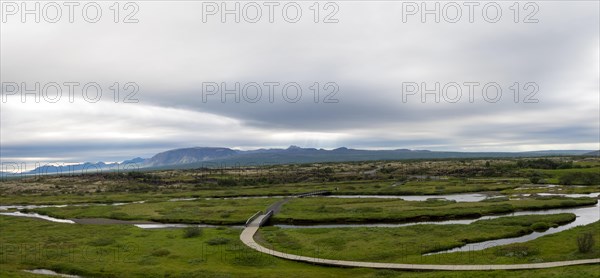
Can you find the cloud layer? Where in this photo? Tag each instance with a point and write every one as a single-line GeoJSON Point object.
{"type": "Point", "coordinates": [369, 54]}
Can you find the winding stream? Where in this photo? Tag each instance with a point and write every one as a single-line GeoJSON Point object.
{"type": "Point", "coordinates": [36, 215]}
{"type": "Point", "coordinates": [584, 216]}
{"type": "Point", "coordinates": [21, 207]}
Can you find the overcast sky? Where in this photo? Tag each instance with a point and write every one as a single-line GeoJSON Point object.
{"type": "Point", "coordinates": [368, 57]}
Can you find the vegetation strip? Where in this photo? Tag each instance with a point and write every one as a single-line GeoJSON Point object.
{"type": "Point", "coordinates": [373, 210]}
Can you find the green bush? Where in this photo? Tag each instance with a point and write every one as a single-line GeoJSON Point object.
{"type": "Point", "coordinates": [535, 179]}
{"type": "Point", "coordinates": [160, 252]}
{"type": "Point", "coordinates": [227, 182]}
{"type": "Point", "coordinates": [500, 208]}
{"type": "Point", "coordinates": [585, 242]}
{"type": "Point", "coordinates": [581, 178]}
{"type": "Point", "coordinates": [218, 241]}
{"type": "Point", "coordinates": [516, 250]}
{"type": "Point", "coordinates": [102, 241]}
{"type": "Point", "coordinates": [253, 259]}
{"type": "Point", "coordinates": [544, 163]}
{"type": "Point", "coordinates": [540, 226]}
{"type": "Point", "coordinates": [193, 231]}
{"type": "Point", "coordinates": [568, 203]}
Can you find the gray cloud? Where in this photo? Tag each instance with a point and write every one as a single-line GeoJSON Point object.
{"type": "Point", "coordinates": [369, 54]}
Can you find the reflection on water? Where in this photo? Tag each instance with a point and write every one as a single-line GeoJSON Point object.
{"type": "Point", "coordinates": [471, 197]}
{"type": "Point", "coordinates": [224, 198]}
{"type": "Point", "coordinates": [171, 226]}
{"type": "Point", "coordinates": [590, 195]}
{"type": "Point", "coordinates": [35, 215]}
{"type": "Point", "coordinates": [468, 197]}
{"type": "Point", "coordinates": [50, 272]}
{"type": "Point", "coordinates": [163, 226]}
{"type": "Point", "coordinates": [22, 207]}
{"type": "Point", "coordinates": [584, 216]}
{"type": "Point", "coordinates": [143, 226]}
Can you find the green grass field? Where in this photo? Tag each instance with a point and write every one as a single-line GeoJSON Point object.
{"type": "Point", "coordinates": [127, 251]}
{"type": "Point", "coordinates": [213, 211]}
{"type": "Point", "coordinates": [366, 187]}
{"type": "Point", "coordinates": [401, 244]}
{"type": "Point", "coordinates": [560, 189]}
{"type": "Point", "coordinates": [343, 210]}
{"type": "Point", "coordinates": [306, 210]}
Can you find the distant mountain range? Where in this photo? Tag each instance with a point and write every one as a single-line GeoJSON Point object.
{"type": "Point", "coordinates": [189, 155]}
{"type": "Point", "coordinates": [211, 157]}
{"type": "Point", "coordinates": [594, 153]}
{"type": "Point", "coordinates": [220, 157]}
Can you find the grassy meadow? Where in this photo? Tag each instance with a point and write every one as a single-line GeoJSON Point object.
{"type": "Point", "coordinates": [344, 210]}
{"type": "Point", "coordinates": [93, 250]}
{"type": "Point", "coordinates": [401, 244]}
{"type": "Point", "coordinates": [212, 211]}
{"type": "Point", "coordinates": [122, 250]}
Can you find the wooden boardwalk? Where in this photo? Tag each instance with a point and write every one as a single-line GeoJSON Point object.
{"type": "Point", "coordinates": [314, 193]}
{"type": "Point", "coordinates": [248, 233]}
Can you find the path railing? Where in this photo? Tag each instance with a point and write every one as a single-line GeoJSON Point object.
{"type": "Point", "coordinates": [258, 213]}
{"type": "Point", "coordinates": [314, 193]}
{"type": "Point", "coordinates": [265, 218]}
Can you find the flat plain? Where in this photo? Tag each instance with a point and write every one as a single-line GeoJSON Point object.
{"type": "Point", "coordinates": [380, 211]}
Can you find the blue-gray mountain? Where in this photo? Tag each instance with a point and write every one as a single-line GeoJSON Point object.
{"type": "Point", "coordinates": [594, 153]}
{"type": "Point", "coordinates": [189, 155]}
{"type": "Point", "coordinates": [210, 157]}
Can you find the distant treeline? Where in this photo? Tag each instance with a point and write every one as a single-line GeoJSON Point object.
{"type": "Point", "coordinates": [545, 163]}
{"type": "Point", "coordinates": [580, 178]}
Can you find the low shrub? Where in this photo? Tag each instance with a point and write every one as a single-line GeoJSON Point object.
{"type": "Point", "coordinates": [585, 242]}
{"type": "Point", "coordinates": [102, 241]}
{"type": "Point", "coordinates": [540, 226]}
{"type": "Point", "coordinates": [497, 199]}
{"type": "Point", "coordinates": [516, 250]}
{"type": "Point", "coordinates": [193, 231]}
{"type": "Point", "coordinates": [218, 241]}
{"type": "Point", "coordinates": [160, 252]}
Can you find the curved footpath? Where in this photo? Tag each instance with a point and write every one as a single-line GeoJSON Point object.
{"type": "Point", "coordinates": [250, 230]}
